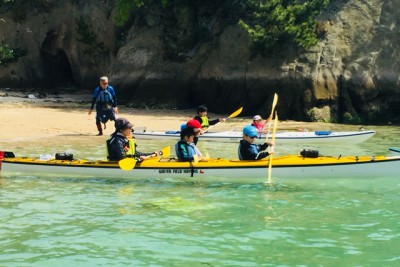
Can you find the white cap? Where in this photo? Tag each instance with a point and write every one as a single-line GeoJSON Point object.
{"type": "Point", "coordinates": [257, 117]}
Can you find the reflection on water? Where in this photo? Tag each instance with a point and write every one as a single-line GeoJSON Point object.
{"type": "Point", "coordinates": [110, 222]}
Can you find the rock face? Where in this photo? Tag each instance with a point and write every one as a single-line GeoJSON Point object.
{"type": "Point", "coordinates": [352, 75]}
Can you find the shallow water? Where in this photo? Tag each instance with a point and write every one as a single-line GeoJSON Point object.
{"type": "Point", "coordinates": [108, 222]}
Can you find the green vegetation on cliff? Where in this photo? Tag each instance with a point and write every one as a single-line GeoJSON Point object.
{"type": "Point", "coordinates": [274, 22]}
{"type": "Point", "coordinates": [8, 54]}
{"type": "Point", "coordinates": [270, 23]}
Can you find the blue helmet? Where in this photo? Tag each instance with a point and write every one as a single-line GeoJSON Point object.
{"type": "Point", "coordinates": [250, 131]}
{"type": "Point", "coordinates": [183, 126]}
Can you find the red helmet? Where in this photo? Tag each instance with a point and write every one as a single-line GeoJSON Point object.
{"type": "Point", "coordinates": [194, 124]}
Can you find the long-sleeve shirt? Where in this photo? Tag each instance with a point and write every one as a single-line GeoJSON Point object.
{"type": "Point", "coordinates": [116, 148]}
{"type": "Point", "coordinates": [97, 91]}
{"type": "Point", "coordinates": [249, 151]}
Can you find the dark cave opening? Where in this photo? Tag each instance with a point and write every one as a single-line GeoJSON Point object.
{"type": "Point", "coordinates": [55, 62]}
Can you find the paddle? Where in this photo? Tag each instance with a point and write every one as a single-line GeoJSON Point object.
{"type": "Point", "coordinates": [166, 152]}
{"type": "Point", "coordinates": [128, 164]}
{"type": "Point", "coordinates": [272, 147]}
{"type": "Point", "coordinates": [195, 160]}
{"type": "Point", "coordinates": [234, 114]}
{"type": "Point", "coordinates": [274, 102]}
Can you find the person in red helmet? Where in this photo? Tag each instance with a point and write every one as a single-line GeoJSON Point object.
{"type": "Point", "coordinates": [196, 126]}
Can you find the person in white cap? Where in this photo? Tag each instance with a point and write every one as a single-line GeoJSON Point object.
{"type": "Point", "coordinates": [259, 123]}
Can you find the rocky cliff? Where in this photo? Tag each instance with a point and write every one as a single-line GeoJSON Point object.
{"type": "Point", "coordinates": [350, 76]}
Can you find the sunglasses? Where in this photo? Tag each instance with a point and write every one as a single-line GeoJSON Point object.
{"type": "Point", "coordinates": [252, 137]}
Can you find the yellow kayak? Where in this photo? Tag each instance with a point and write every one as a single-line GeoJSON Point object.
{"type": "Point", "coordinates": [285, 167]}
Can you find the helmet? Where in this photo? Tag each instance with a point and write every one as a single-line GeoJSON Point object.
{"type": "Point", "coordinates": [257, 117]}
{"type": "Point", "coordinates": [250, 131]}
{"type": "Point", "coordinates": [183, 126]}
{"type": "Point", "coordinates": [193, 123]}
{"type": "Point", "coordinates": [122, 124]}
{"type": "Point", "coordinates": [201, 108]}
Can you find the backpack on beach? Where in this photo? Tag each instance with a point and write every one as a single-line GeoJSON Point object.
{"type": "Point", "coordinates": [105, 99]}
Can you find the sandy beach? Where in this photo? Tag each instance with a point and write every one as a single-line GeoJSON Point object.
{"type": "Point", "coordinates": [28, 115]}
{"type": "Point", "coordinates": [25, 115]}
{"type": "Point", "coordinates": [67, 114]}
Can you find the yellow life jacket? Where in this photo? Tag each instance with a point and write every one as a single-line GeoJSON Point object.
{"type": "Point", "coordinates": [204, 122]}
{"type": "Point", "coordinates": [132, 146]}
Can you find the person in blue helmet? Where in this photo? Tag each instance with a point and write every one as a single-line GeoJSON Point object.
{"type": "Point", "coordinates": [250, 151]}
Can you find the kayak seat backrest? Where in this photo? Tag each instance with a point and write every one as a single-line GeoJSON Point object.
{"type": "Point", "coordinates": [322, 132]}
{"type": "Point", "coordinates": [309, 153]}
{"type": "Point", "coordinates": [9, 154]}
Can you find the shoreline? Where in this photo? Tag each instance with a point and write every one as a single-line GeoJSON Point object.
{"type": "Point", "coordinates": [26, 114]}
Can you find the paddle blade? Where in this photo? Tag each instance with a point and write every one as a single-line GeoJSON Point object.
{"type": "Point", "coordinates": [237, 112]}
{"type": "Point", "coordinates": [195, 160]}
{"type": "Point", "coordinates": [127, 164]}
{"type": "Point", "coordinates": [166, 152]}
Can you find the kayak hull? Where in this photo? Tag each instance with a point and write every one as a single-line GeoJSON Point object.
{"type": "Point", "coordinates": [280, 137]}
{"type": "Point", "coordinates": [286, 167]}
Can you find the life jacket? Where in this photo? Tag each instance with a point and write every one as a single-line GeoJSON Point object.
{"type": "Point", "coordinates": [131, 147]}
{"type": "Point", "coordinates": [204, 122]}
{"type": "Point", "coordinates": [190, 149]}
{"type": "Point", "coordinates": [105, 99]}
{"type": "Point", "coordinates": [259, 126]}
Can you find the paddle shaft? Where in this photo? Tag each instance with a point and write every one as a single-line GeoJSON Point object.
{"type": "Point", "coordinates": [128, 164]}
{"type": "Point", "coordinates": [271, 156]}
{"type": "Point", "coordinates": [274, 102]}
{"type": "Point", "coordinates": [234, 114]}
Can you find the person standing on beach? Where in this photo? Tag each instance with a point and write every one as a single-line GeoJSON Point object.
{"type": "Point", "coordinates": [106, 104]}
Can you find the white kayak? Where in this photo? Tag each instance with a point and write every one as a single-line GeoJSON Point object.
{"type": "Point", "coordinates": [316, 137]}
{"type": "Point", "coordinates": [395, 150]}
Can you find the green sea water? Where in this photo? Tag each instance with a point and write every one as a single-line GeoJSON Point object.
{"type": "Point", "coordinates": [66, 221]}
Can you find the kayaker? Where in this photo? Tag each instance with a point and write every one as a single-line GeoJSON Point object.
{"type": "Point", "coordinates": [106, 104]}
{"type": "Point", "coordinates": [250, 151]}
{"type": "Point", "coordinates": [122, 143]}
{"type": "Point", "coordinates": [205, 121]}
{"type": "Point", "coordinates": [185, 149]}
{"type": "Point", "coordinates": [196, 126]}
{"type": "Point", "coordinates": [259, 123]}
